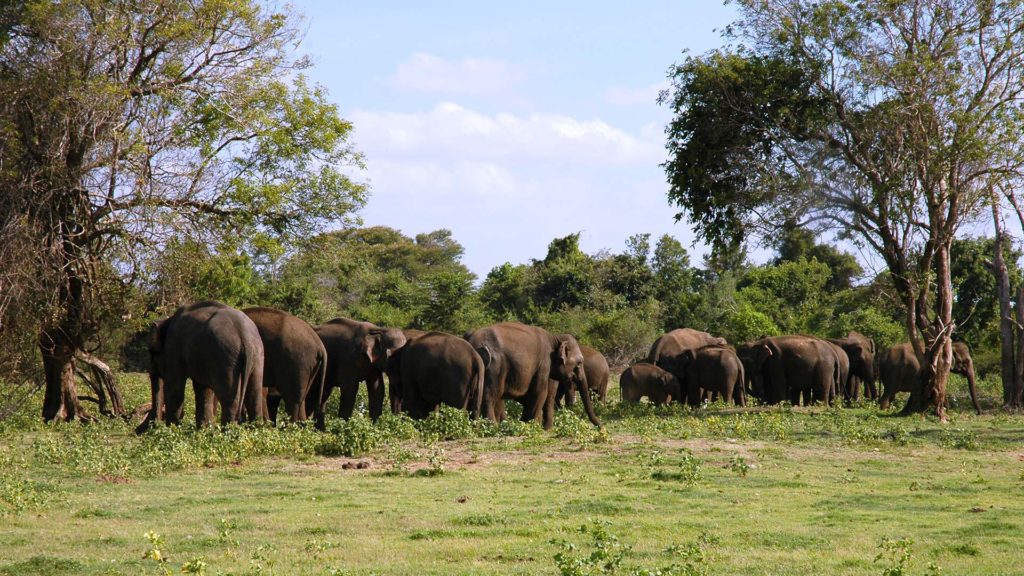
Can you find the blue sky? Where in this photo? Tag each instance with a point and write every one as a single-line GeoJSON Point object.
{"type": "Point", "coordinates": [510, 123]}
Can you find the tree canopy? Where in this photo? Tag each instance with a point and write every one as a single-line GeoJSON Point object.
{"type": "Point", "coordinates": [886, 121]}
{"type": "Point", "coordinates": [127, 125]}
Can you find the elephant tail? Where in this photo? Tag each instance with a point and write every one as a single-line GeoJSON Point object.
{"type": "Point", "coordinates": [317, 389]}
{"type": "Point", "coordinates": [476, 394]}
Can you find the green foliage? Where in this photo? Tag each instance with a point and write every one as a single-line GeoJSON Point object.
{"type": "Point", "coordinates": [380, 275]}
{"type": "Point", "coordinates": [446, 423]}
{"type": "Point", "coordinates": [872, 323]}
{"type": "Point", "coordinates": [793, 294]}
{"type": "Point", "coordinates": [569, 424]}
{"type": "Point", "coordinates": [708, 141]}
{"type": "Point", "coordinates": [748, 323]}
{"type": "Point", "coordinates": [607, 554]}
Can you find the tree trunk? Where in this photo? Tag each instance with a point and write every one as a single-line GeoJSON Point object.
{"type": "Point", "coordinates": [1006, 324]}
{"type": "Point", "coordinates": [61, 399]}
{"type": "Point", "coordinates": [103, 382]}
{"type": "Point", "coordinates": [1018, 365]}
{"type": "Point", "coordinates": [935, 354]}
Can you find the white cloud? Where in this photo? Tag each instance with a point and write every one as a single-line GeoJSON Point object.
{"type": "Point", "coordinates": [450, 131]}
{"type": "Point", "coordinates": [643, 96]}
{"type": "Point", "coordinates": [424, 72]}
{"type": "Point", "coordinates": [507, 184]}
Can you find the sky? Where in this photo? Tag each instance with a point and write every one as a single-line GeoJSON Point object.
{"type": "Point", "coordinates": [511, 123]}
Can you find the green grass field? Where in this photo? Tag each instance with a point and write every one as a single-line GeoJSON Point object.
{"type": "Point", "coordinates": [663, 491]}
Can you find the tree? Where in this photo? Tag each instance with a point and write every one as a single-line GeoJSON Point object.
{"type": "Point", "coordinates": [126, 124]}
{"type": "Point", "coordinates": [884, 120]}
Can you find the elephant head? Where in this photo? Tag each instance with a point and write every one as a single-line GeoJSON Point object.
{"type": "Point", "coordinates": [753, 356]}
{"type": "Point", "coordinates": [567, 368]}
{"type": "Point", "coordinates": [380, 344]}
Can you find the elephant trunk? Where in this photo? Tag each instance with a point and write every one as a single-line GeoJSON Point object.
{"type": "Point", "coordinates": [971, 388]}
{"type": "Point", "coordinates": [156, 389]}
{"type": "Point", "coordinates": [587, 403]}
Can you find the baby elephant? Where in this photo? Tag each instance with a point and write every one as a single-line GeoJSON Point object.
{"type": "Point", "coordinates": [644, 379]}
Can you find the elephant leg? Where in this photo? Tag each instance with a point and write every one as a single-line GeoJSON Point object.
{"type": "Point", "coordinates": [727, 394]}
{"type": "Point", "coordinates": [205, 405]}
{"type": "Point", "coordinates": [174, 400]}
{"type": "Point", "coordinates": [886, 399]}
{"type": "Point", "coordinates": [273, 405]}
{"type": "Point", "coordinates": [499, 409]}
{"type": "Point", "coordinates": [375, 396]}
{"type": "Point", "coordinates": [252, 396]}
{"type": "Point", "coordinates": [531, 406]}
{"type": "Point", "coordinates": [347, 401]}
{"type": "Point", "coordinates": [549, 408]}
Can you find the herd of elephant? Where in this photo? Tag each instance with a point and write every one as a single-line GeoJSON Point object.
{"type": "Point", "coordinates": [693, 366]}
{"type": "Point", "coordinates": [251, 360]}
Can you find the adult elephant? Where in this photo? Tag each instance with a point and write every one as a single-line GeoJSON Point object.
{"type": "Point", "coordinates": [714, 371]}
{"type": "Point", "coordinates": [394, 369]}
{"type": "Point", "coordinates": [526, 363]}
{"type": "Point", "coordinates": [294, 363]}
{"type": "Point", "coordinates": [672, 344]}
{"type": "Point", "coordinates": [357, 352]}
{"type": "Point", "coordinates": [753, 356]}
{"type": "Point", "coordinates": [645, 379]}
{"type": "Point", "coordinates": [861, 352]}
{"type": "Point", "coordinates": [595, 365]}
{"type": "Point", "coordinates": [439, 368]}
{"type": "Point", "coordinates": [794, 366]}
{"type": "Point", "coordinates": [219, 349]}
{"type": "Point", "coordinates": [900, 371]}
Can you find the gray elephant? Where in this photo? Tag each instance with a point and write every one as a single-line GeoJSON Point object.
{"type": "Point", "coordinates": [394, 369]}
{"type": "Point", "coordinates": [674, 343]}
{"type": "Point", "coordinates": [861, 352]}
{"type": "Point", "coordinates": [710, 372]}
{"type": "Point", "coordinates": [219, 349]}
{"type": "Point", "coordinates": [357, 352]}
{"type": "Point", "coordinates": [900, 371]}
{"type": "Point", "coordinates": [439, 368]}
{"type": "Point", "coordinates": [294, 363]}
{"type": "Point", "coordinates": [797, 365]}
{"type": "Point", "coordinates": [596, 367]}
{"type": "Point", "coordinates": [526, 363]}
{"type": "Point", "coordinates": [753, 356]}
{"type": "Point", "coordinates": [645, 379]}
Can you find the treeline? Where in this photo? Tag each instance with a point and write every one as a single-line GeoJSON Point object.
{"type": "Point", "coordinates": [617, 302]}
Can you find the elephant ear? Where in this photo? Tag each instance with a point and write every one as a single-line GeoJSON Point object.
{"type": "Point", "coordinates": [157, 337]}
{"type": "Point", "coordinates": [563, 352]}
{"type": "Point", "coordinates": [369, 347]}
{"type": "Point", "coordinates": [485, 354]}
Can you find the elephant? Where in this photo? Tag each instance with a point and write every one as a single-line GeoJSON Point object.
{"type": "Point", "coordinates": [357, 352]}
{"type": "Point", "coordinates": [709, 371]}
{"type": "Point", "coordinates": [394, 369]}
{"type": "Point", "coordinates": [753, 356]}
{"type": "Point", "coordinates": [439, 368]}
{"type": "Point", "coordinates": [646, 379]}
{"type": "Point", "coordinates": [900, 371]}
{"type": "Point", "coordinates": [294, 363]}
{"type": "Point", "coordinates": [677, 341]}
{"type": "Point", "coordinates": [219, 349]}
{"type": "Point", "coordinates": [598, 372]}
{"type": "Point", "coordinates": [526, 363]}
{"type": "Point", "coordinates": [861, 352]}
{"type": "Point", "coordinates": [796, 365]}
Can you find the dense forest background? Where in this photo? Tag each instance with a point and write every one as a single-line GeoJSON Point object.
{"type": "Point", "coordinates": [618, 302]}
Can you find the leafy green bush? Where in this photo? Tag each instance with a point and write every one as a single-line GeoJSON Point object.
{"type": "Point", "coordinates": [446, 423]}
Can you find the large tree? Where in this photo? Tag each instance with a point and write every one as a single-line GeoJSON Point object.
{"type": "Point", "coordinates": [126, 123]}
{"type": "Point", "coordinates": [885, 120]}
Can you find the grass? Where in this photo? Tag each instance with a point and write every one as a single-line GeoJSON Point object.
{"type": "Point", "coordinates": [717, 491]}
